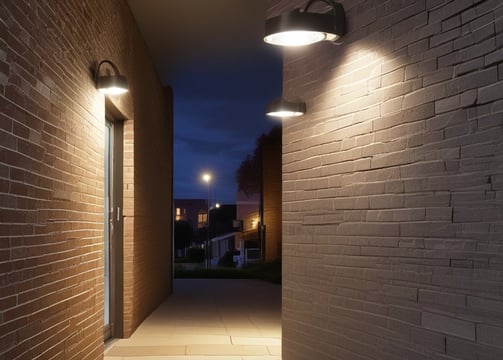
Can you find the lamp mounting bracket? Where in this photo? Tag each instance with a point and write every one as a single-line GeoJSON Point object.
{"type": "Point", "coordinates": [108, 62]}
{"type": "Point", "coordinates": [337, 11]}
{"type": "Point", "coordinates": [328, 2]}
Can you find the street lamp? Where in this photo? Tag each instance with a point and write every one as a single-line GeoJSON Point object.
{"type": "Point", "coordinates": [207, 179]}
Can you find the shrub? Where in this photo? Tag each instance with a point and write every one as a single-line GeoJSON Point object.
{"type": "Point", "coordinates": [227, 260]}
{"type": "Point", "coordinates": [195, 255]}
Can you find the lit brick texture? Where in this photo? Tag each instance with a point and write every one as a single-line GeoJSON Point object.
{"type": "Point", "coordinates": [393, 185]}
{"type": "Point", "coordinates": [52, 176]}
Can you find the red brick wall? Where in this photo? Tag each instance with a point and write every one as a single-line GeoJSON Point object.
{"type": "Point", "coordinates": [52, 174]}
{"type": "Point", "coordinates": [392, 192]}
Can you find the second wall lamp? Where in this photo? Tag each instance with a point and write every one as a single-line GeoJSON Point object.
{"type": "Point", "coordinates": [282, 108]}
{"type": "Point", "coordinates": [112, 82]}
{"type": "Point", "coordinates": [298, 28]}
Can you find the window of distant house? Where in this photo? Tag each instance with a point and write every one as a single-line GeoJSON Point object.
{"type": "Point", "coordinates": [201, 219]}
{"type": "Point", "coordinates": [178, 214]}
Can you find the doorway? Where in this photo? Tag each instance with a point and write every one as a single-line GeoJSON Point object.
{"type": "Point", "coordinates": [113, 236]}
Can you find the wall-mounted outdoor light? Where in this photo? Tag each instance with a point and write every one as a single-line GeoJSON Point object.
{"type": "Point", "coordinates": [282, 108]}
{"type": "Point", "coordinates": [112, 82]}
{"type": "Point", "coordinates": [298, 28]}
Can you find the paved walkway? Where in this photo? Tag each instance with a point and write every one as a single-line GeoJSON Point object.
{"type": "Point", "coordinates": [209, 320]}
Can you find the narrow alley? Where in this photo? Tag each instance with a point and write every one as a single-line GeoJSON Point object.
{"type": "Point", "coordinates": [224, 319]}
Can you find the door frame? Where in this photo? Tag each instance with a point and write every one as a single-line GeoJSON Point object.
{"type": "Point", "coordinates": [116, 227]}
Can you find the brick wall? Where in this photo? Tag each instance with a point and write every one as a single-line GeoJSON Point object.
{"type": "Point", "coordinates": [392, 185]}
{"type": "Point", "coordinates": [52, 174]}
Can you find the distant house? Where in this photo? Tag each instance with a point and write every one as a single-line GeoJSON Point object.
{"type": "Point", "coordinates": [222, 220]}
{"type": "Point", "coordinates": [247, 223]}
{"type": "Point", "coordinates": [221, 232]}
{"type": "Point", "coordinates": [194, 211]}
{"type": "Point", "coordinates": [219, 246]}
{"type": "Point", "coordinates": [259, 214]}
{"type": "Point", "coordinates": [271, 199]}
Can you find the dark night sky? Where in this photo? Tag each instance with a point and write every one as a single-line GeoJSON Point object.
{"type": "Point", "coordinates": [222, 75]}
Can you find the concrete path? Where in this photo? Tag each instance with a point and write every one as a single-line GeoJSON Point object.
{"type": "Point", "coordinates": [224, 319]}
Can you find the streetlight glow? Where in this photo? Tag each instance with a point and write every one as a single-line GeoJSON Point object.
{"type": "Point", "coordinates": [207, 178]}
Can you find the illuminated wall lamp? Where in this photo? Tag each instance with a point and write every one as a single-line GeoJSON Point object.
{"type": "Point", "coordinates": [282, 108]}
{"type": "Point", "coordinates": [299, 28]}
{"type": "Point", "coordinates": [112, 83]}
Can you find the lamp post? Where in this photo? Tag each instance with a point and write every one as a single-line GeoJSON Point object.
{"type": "Point", "coordinates": [207, 179]}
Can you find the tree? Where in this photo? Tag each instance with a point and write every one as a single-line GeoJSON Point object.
{"type": "Point", "coordinates": [249, 173]}
{"type": "Point", "coordinates": [183, 234]}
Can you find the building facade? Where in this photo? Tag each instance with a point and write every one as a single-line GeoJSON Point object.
{"type": "Point", "coordinates": [193, 211]}
{"type": "Point", "coordinates": [393, 185]}
{"type": "Point", "coordinates": [271, 198]}
{"type": "Point", "coordinates": [248, 220]}
{"type": "Point", "coordinates": [259, 214]}
{"type": "Point", "coordinates": [69, 159]}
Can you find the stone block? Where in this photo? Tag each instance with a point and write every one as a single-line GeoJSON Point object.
{"type": "Point", "coordinates": [469, 66]}
{"type": "Point", "coordinates": [441, 298]}
{"type": "Point", "coordinates": [408, 315]}
{"type": "Point", "coordinates": [479, 49]}
{"type": "Point", "coordinates": [448, 325]}
{"type": "Point", "coordinates": [477, 303]}
{"type": "Point", "coordinates": [424, 95]}
{"type": "Point", "coordinates": [448, 10]}
{"type": "Point", "coordinates": [452, 22]}
{"type": "Point", "coordinates": [409, 24]}
{"type": "Point", "coordinates": [472, 80]}
{"type": "Point", "coordinates": [418, 47]}
{"type": "Point", "coordinates": [490, 93]}
{"type": "Point", "coordinates": [422, 169]}
{"type": "Point", "coordinates": [393, 159]}
{"type": "Point", "coordinates": [447, 104]}
{"type": "Point", "coordinates": [438, 76]}
{"type": "Point", "coordinates": [444, 37]}
{"type": "Point", "coordinates": [468, 350]}
{"type": "Point", "coordinates": [439, 213]}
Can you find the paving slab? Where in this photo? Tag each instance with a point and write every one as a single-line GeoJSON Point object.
{"type": "Point", "coordinates": [224, 319]}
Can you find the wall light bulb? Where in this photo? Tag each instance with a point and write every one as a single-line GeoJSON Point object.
{"type": "Point", "coordinates": [112, 91]}
{"type": "Point", "coordinates": [295, 38]}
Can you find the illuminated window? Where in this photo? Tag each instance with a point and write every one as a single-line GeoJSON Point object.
{"type": "Point", "coordinates": [201, 220]}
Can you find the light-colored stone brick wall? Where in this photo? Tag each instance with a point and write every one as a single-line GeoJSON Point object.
{"type": "Point", "coordinates": [392, 185]}
{"type": "Point", "coordinates": [52, 142]}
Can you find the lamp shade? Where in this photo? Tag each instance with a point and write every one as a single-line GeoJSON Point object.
{"type": "Point", "coordinates": [299, 28]}
{"type": "Point", "coordinates": [111, 83]}
{"type": "Point", "coordinates": [282, 108]}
